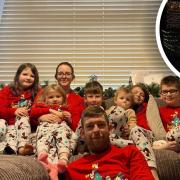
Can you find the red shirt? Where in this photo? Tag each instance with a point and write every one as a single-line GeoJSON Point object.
{"type": "Point", "coordinates": [166, 113]}
{"type": "Point", "coordinates": [75, 105]}
{"type": "Point", "coordinates": [9, 103]}
{"type": "Point", "coordinates": [125, 162]}
{"type": "Point", "coordinates": [141, 116]}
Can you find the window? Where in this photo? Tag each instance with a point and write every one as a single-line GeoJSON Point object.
{"type": "Point", "coordinates": [108, 38]}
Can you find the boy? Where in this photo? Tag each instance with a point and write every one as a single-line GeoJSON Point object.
{"type": "Point", "coordinates": [170, 114]}
{"type": "Point", "coordinates": [93, 96]}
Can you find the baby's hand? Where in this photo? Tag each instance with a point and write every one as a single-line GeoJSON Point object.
{"type": "Point", "coordinates": [23, 111]}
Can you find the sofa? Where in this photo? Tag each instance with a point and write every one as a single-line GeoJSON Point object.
{"type": "Point", "coordinates": [14, 167]}
{"type": "Point", "coordinates": [27, 168]}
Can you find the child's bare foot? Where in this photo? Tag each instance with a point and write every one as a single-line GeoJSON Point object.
{"type": "Point", "coordinates": [26, 150]}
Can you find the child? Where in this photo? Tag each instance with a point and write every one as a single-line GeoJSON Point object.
{"type": "Point", "coordinates": [122, 114]}
{"type": "Point", "coordinates": [51, 131]}
{"type": "Point", "coordinates": [93, 96]}
{"type": "Point", "coordinates": [15, 101]}
{"type": "Point", "coordinates": [170, 113]}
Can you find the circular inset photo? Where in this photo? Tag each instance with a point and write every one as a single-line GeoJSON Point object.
{"type": "Point", "coordinates": [168, 33]}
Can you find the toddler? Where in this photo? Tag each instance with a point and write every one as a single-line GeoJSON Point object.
{"type": "Point", "coordinates": [52, 132]}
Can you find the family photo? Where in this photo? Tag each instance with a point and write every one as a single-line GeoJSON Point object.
{"type": "Point", "coordinates": [85, 90]}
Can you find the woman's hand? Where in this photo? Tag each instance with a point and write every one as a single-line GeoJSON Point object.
{"type": "Point", "coordinates": [51, 118]}
{"type": "Point", "coordinates": [57, 113]}
{"type": "Point", "coordinates": [66, 116]}
{"type": "Point", "coordinates": [23, 111]}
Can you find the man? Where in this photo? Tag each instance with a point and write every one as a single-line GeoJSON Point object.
{"type": "Point", "coordinates": [105, 161]}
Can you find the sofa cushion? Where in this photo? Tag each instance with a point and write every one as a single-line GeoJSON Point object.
{"type": "Point", "coordinates": [168, 164]}
{"type": "Point", "coordinates": [20, 168]}
{"type": "Point", "coordinates": [154, 119]}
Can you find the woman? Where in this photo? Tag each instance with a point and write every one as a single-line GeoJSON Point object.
{"type": "Point", "coordinates": [64, 76]}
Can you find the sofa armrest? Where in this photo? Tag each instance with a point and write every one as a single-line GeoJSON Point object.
{"type": "Point", "coordinates": [21, 168]}
{"type": "Point", "coordinates": [168, 164]}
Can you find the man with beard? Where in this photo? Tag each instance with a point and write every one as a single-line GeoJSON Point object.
{"type": "Point", "coordinates": [105, 161]}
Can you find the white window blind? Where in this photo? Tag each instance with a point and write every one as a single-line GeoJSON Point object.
{"type": "Point", "coordinates": [1, 7]}
{"type": "Point", "coordinates": [108, 38]}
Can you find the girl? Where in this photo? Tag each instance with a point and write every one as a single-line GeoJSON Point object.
{"type": "Point", "coordinates": [53, 131]}
{"type": "Point", "coordinates": [15, 101]}
{"type": "Point", "coordinates": [65, 76]}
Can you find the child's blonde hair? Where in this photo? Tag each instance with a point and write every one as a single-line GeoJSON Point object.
{"type": "Point", "coordinates": [125, 90]}
{"type": "Point", "coordinates": [56, 88]}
